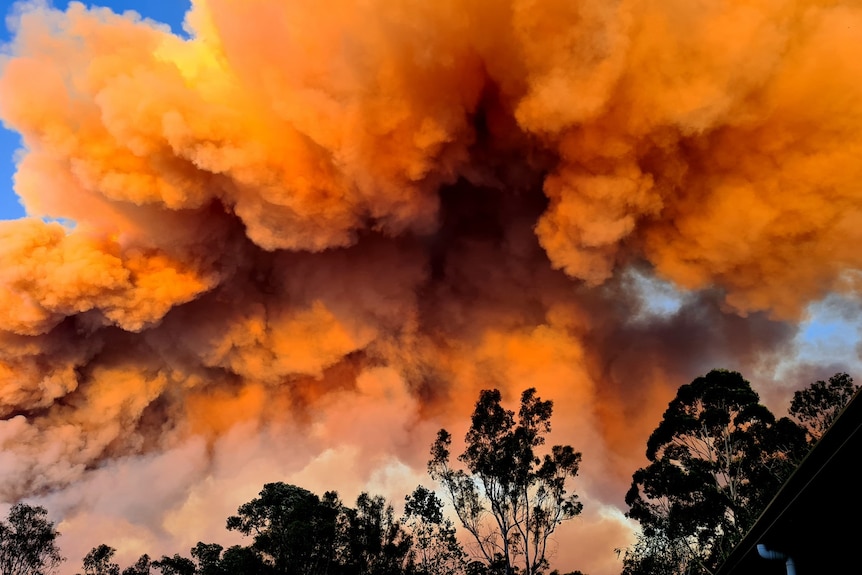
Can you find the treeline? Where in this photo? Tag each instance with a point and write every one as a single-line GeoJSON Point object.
{"type": "Point", "coordinates": [715, 460]}
{"type": "Point", "coordinates": [294, 531]}
{"type": "Point", "coordinates": [506, 494]}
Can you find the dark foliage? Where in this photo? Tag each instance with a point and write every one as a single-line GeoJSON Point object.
{"type": "Point", "coordinates": [510, 498]}
{"type": "Point", "coordinates": [716, 459]}
{"type": "Point", "coordinates": [294, 530]}
{"type": "Point", "coordinates": [99, 561]}
{"type": "Point", "coordinates": [436, 548]}
{"type": "Point", "coordinates": [817, 406]}
{"type": "Point", "coordinates": [176, 565]}
{"type": "Point", "coordinates": [28, 542]}
{"type": "Point", "coordinates": [141, 566]}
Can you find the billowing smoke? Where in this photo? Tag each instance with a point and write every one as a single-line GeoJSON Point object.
{"type": "Point", "coordinates": [297, 242]}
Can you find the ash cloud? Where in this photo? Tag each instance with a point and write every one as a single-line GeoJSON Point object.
{"type": "Point", "coordinates": [341, 220]}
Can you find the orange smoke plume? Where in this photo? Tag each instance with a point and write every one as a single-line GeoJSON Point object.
{"type": "Point", "coordinates": [312, 231]}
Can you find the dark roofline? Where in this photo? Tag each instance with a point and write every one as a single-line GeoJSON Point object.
{"type": "Point", "coordinates": [847, 425]}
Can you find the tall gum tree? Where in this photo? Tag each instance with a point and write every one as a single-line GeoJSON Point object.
{"type": "Point", "coordinates": [294, 530]}
{"type": "Point", "coordinates": [716, 459]}
{"type": "Point", "coordinates": [509, 498]}
{"type": "Point", "coordinates": [817, 406]}
{"type": "Point", "coordinates": [28, 542]}
{"type": "Point", "coordinates": [435, 542]}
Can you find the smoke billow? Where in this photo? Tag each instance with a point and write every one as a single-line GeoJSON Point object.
{"type": "Point", "coordinates": [298, 241]}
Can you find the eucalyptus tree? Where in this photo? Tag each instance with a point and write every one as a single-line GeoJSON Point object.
{"type": "Point", "coordinates": [140, 567]}
{"type": "Point", "coordinates": [817, 406]}
{"type": "Point", "coordinates": [376, 542]}
{"type": "Point", "coordinates": [436, 547]}
{"type": "Point", "coordinates": [176, 565]}
{"type": "Point", "coordinates": [715, 460]}
{"type": "Point", "coordinates": [28, 542]}
{"type": "Point", "coordinates": [508, 495]}
{"type": "Point", "coordinates": [99, 561]}
{"type": "Point", "coordinates": [294, 530]}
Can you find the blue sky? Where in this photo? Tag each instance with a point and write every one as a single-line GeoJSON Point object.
{"type": "Point", "coordinates": [170, 12]}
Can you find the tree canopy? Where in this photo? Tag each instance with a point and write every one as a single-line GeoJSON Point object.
{"type": "Point", "coordinates": [294, 530]}
{"type": "Point", "coordinates": [141, 566]}
{"type": "Point", "coordinates": [510, 498]}
{"type": "Point", "coordinates": [436, 547]}
{"type": "Point", "coordinates": [716, 459]}
{"type": "Point", "coordinates": [28, 542]}
{"type": "Point", "coordinates": [99, 561]}
{"type": "Point", "coordinates": [817, 406]}
{"type": "Point", "coordinates": [377, 544]}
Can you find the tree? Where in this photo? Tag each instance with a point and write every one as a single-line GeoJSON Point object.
{"type": "Point", "coordinates": [435, 544]}
{"type": "Point", "coordinates": [28, 542]}
{"type": "Point", "coordinates": [817, 406]}
{"type": "Point", "coordinates": [141, 566]}
{"type": "Point", "coordinates": [716, 459]}
{"type": "Point", "coordinates": [509, 498]}
{"type": "Point", "coordinates": [238, 560]}
{"type": "Point", "coordinates": [296, 532]}
{"type": "Point", "coordinates": [98, 561]}
{"type": "Point", "coordinates": [658, 554]}
{"type": "Point", "coordinates": [377, 544]}
{"type": "Point", "coordinates": [208, 557]}
{"type": "Point", "coordinates": [176, 565]}
{"type": "Point", "coordinates": [293, 529]}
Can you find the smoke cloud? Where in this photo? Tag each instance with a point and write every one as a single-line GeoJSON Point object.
{"type": "Point", "coordinates": [295, 243]}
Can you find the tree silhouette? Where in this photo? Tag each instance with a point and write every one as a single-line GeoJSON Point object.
{"type": "Point", "coordinates": [141, 566]}
{"type": "Point", "coordinates": [716, 459]}
{"type": "Point", "coordinates": [510, 499]}
{"type": "Point", "coordinates": [176, 565]}
{"type": "Point", "coordinates": [98, 561]}
{"type": "Point", "coordinates": [28, 542]}
{"type": "Point", "coordinates": [294, 530]}
{"type": "Point", "coordinates": [376, 542]}
{"type": "Point", "coordinates": [817, 406]}
{"type": "Point", "coordinates": [435, 543]}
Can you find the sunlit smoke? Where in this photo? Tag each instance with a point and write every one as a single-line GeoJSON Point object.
{"type": "Point", "coordinates": [303, 238]}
